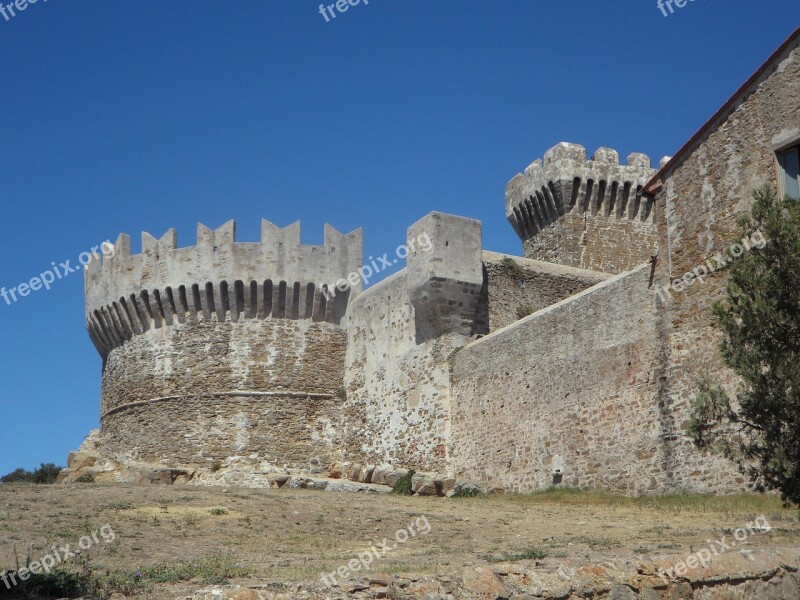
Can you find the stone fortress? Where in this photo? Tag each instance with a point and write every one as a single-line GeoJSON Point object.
{"type": "Point", "coordinates": [233, 363]}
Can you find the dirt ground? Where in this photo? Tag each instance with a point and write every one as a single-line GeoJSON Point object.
{"type": "Point", "coordinates": [285, 535]}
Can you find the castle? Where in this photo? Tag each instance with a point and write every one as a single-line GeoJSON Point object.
{"type": "Point", "coordinates": [261, 363]}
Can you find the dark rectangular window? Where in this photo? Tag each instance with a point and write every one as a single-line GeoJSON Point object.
{"type": "Point", "coordinates": [790, 165]}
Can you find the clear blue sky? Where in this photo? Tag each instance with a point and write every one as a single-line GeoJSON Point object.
{"type": "Point", "coordinates": [144, 115]}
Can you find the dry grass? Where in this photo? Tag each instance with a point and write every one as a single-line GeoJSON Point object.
{"type": "Point", "coordinates": [296, 535]}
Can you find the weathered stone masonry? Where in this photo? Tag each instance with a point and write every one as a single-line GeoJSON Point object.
{"type": "Point", "coordinates": [231, 356]}
{"type": "Point", "coordinates": [699, 196]}
{"type": "Point", "coordinates": [222, 349]}
{"type": "Point", "coordinates": [589, 214]}
{"type": "Point", "coordinates": [579, 398]}
{"type": "Point", "coordinates": [401, 333]}
{"type": "Point", "coordinates": [532, 285]}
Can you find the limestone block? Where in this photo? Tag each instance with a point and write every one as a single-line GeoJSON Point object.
{"type": "Point", "coordinates": [483, 583]}
{"type": "Point", "coordinates": [427, 487]}
{"type": "Point", "coordinates": [183, 479]}
{"type": "Point", "coordinates": [393, 477]}
{"type": "Point", "coordinates": [82, 460]}
{"type": "Point", "coordinates": [278, 479]}
{"type": "Point", "coordinates": [335, 471]}
{"type": "Point", "coordinates": [446, 485]}
{"type": "Point", "coordinates": [158, 477]}
{"type": "Point", "coordinates": [354, 473]}
{"type": "Point", "coordinates": [365, 476]}
{"type": "Point", "coordinates": [379, 476]}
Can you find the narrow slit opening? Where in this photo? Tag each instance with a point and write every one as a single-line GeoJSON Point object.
{"type": "Point", "coordinates": [601, 196]}
{"type": "Point", "coordinates": [281, 308]}
{"type": "Point", "coordinates": [268, 297]}
{"type": "Point", "coordinates": [309, 308]}
{"type": "Point", "coordinates": [576, 190]}
{"type": "Point", "coordinates": [587, 199]}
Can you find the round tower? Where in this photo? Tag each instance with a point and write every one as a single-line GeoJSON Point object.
{"type": "Point", "coordinates": [584, 213]}
{"type": "Point", "coordinates": [222, 351]}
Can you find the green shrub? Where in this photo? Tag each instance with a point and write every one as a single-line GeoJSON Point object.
{"type": "Point", "coordinates": [120, 505]}
{"type": "Point", "coordinates": [524, 311]}
{"type": "Point", "coordinates": [86, 582]}
{"type": "Point", "coordinates": [527, 554]}
{"type": "Point", "coordinates": [217, 512]}
{"type": "Point", "coordinates": [85, 478]}
{"type": "Point", "coordinates": [512, 267]}
{"type": "Point", "coordinates": [45, 474]}
{"type": "Point", "coordinates": [403, 487]}
{"type": "Point", "coordinates": [216, 466]}
{"type": "Point", "coordinates": [217, 570]}
{"type": "Point", "coordinates": [18, 476]}
{"type": "Point", "coordinates": [56, 584]}
{"type": "Point", "coordinates": [466, 492]}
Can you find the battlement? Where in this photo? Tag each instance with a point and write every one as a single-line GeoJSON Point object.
{"type": "Point", "coordinates": [567, 182]}
{"type": "Point", "coordinates": [217, 279]}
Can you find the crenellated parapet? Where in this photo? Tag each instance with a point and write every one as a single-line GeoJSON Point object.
{"type": "Point", "coordinates": [566, 182]}
{"type": "Point", "coordinates": [217, 279]}
{"type": "Point", "coordinates": [584, 213]}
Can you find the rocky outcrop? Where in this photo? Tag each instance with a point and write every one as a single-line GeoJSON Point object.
{"type": "Point", "coordinates": [756, 575]}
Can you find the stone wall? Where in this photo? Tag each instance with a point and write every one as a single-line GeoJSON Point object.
{"type": "Point", "coordinates": [573, 388]}
{"type": "Point", "coordinates": [401, 333]}
{"type": "Point", "coordinates": [398, 390]}
{"type": "Point", "coordinates": [398, 382]}
{"type": "Point", "coordinates": [512, 293]}
{"type": "Point", "coordinates": [192, 395]}
{"type": "Point", "coordinates": [595, 242]}
{"type": "Point", "coordinates": [589, 214]}
{"type": "Point", "coordinates": [279, 432]}
{"type": "Point", "coordinates": [705, 190]}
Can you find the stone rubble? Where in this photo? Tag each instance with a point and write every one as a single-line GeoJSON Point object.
{"type": "Point", "coordinates": [766, 575]}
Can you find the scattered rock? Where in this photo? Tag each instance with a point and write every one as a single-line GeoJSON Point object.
{"type": "Point", "coordinates": [446, 485]}
{"type": "Point", "coordinates": [243, 594]}
{"type": "Point", "coordinates": [82, 460]}
{"type": "Point", "coordinates": [366, 474]}
{"type": "Point", "coordinates": [381, 580]}
{"type": "Point", "coordinates": [278, 479]}
{"type": "Point", "coordinates": [425, 487]}
{"type": "Point", "coordinates": [352, 486]}
{"type": "Point", "coordinates": [335, 471]}
{"type": "Point", "coordinates": [467, 487]}
{"type": "Point", "coordinates": [484, 583]}
{"type": "Point", "coordinates": [354, 473]}
{"type": "Point", "coordinates": [183, 479]}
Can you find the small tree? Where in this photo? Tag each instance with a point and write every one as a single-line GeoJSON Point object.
{"type": "Point", "coordinates": [760, 323]}
{"type": "Point", "coordinates": [45, 474]}
{"type": "Point", "coordinates": [17, 476]}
